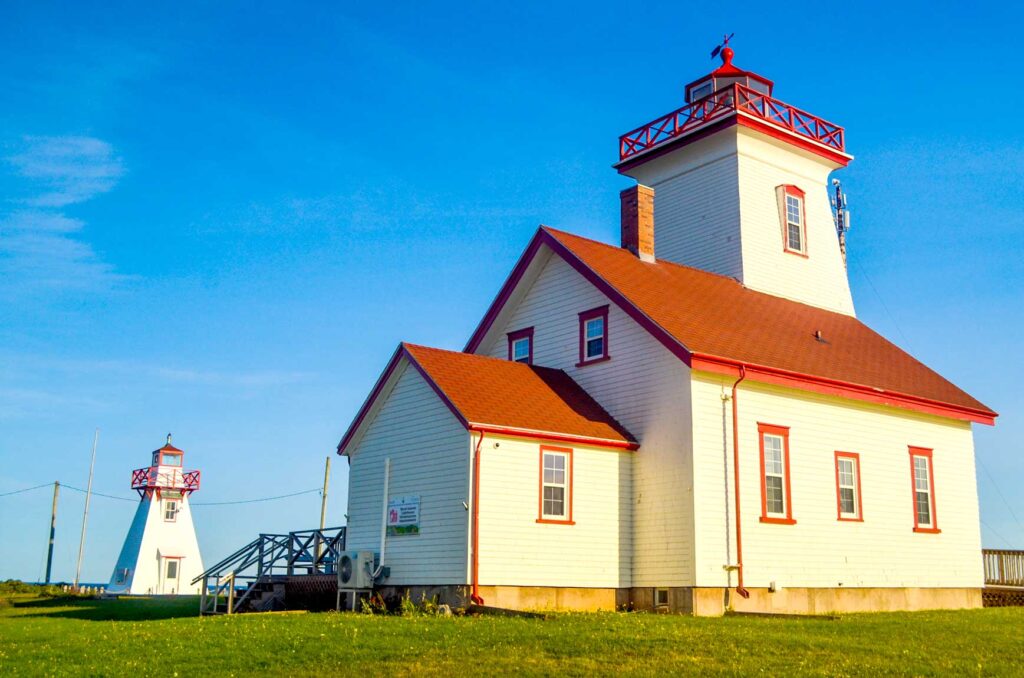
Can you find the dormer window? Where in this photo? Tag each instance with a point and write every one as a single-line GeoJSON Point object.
{"type": "Point", "coordinates": [520, 346]}
{"type": "Point", "coordinates": [794, 219]}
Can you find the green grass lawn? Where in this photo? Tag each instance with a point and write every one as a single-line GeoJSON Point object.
{"type": "Point", "coordinates": [165, 637]}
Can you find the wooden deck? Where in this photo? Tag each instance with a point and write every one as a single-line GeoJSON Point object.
{"type": "Point", "coordinates": [1004, 578]}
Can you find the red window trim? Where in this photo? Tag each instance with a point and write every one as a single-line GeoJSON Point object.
{"type": "Point", "coordinates": [599, 312]}
{"type": "Point", "coordinates": [783, 432]}
{"type": "Point", "coordinates": [789, 189]}
{"type": "Point", "coordinates": [927, 453]}
{"type": "Point", "coordinates": [513, 337]}
{"type": "Point", "coordinates": [855, 457]}
{"type": "Point", "coordinates": [540, 493]}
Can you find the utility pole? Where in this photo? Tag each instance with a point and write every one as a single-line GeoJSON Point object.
{"type": "Point", "coordinates": [323, 507]}
{"type": "Point", "coordinates": [85, 514]}
{"type": "Point", "coordinates": [53, 529]}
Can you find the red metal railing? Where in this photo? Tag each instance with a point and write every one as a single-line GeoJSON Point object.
{"type": "Point", "coordinates": [725, 101]}
{"type": "Point", "coordinates": [175, 479]}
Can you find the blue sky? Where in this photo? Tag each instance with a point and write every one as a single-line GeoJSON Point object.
{"type": "Point", "coordinates": [220, 221]}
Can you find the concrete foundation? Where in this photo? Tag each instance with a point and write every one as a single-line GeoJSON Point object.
{"type": "Point", "coordinates": [702, 601]}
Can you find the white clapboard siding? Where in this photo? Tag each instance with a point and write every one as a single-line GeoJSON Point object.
{"type": "Point", "coordinates": [819, 550]}
{"type": "Point", "coordinates": [516, 550]}
{"type": "Point", "coordinates": [429, 452]}
{"type": "Point", "coordinates": [819, 278]}
{"type": "Point", "coordinates": [645, 388]}
{"type": "Point", "coordinates": [696, 205]}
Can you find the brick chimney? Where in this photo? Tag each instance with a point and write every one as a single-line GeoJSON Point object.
{"type": "Point", "coordinates": [638, 221]}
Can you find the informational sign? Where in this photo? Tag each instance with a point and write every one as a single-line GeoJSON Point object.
{"type": "Point", "coordinates": [403, 516]}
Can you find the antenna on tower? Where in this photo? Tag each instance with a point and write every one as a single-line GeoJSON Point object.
{"type": "Point", "coordinates": [841, 215]}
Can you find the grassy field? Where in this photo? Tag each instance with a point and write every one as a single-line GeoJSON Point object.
{"type": "Point", "coordinates": [158, 637]}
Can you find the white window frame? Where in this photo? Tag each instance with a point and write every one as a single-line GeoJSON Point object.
{"type": "Point", "coordinates": [523, 342]}
{"type": "Point", "coordinates": [171, 510]}
{"type": "Point", "coordinates": [853, 485]}
{"type": "Point", "coordinates": [798, 223]}
{"type": "Point", "coordinates": [550, 481]}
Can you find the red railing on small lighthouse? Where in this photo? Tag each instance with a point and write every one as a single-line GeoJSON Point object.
{"type": "Point", "coordinates": [165, 473]}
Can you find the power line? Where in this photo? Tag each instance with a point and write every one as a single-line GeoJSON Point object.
{"type": "Point", "coordinates": [992, 530]}
{"type": "Point", "coordinates": [999, 492]}
{"type": "Point", "coordinates": [253, 501]}
{"type": "Point", "coordinates": [27, 489]}
{"type": "Point", "coordinates": [201, 503]}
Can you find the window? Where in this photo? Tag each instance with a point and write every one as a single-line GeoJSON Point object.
{"type": "Point", "coordinates": [171, 510]}
{"type": "Point", "coordinates": [794, 227]}
{"type": "Point", "coordinates": [848, 486]}
{"type": "Point", "coordinates": [555, 485]}
{"type": "Point", "coordinates": [171, 459]}
{"type": "Point", "coordinates": [520, 346]}
{"type": "Point", "coordinates": [172, 568]}
{"type": "Point", "coordinates": [922, 477]}
{"type": "Point", "coordinates": [660, 597]}
{"type": "Point", "coordinates": [593, 336]}
{"type": "Point", "coordinates": [776, 504]}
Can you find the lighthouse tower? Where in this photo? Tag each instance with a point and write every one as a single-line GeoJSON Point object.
{"type": "Point", "coordinates": [160, 554]}
{"type": "Point", "coordinates": [739, 184]}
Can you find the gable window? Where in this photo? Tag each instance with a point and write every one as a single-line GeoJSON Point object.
{"type": "Point", "coordinates": [848, 502]}
{"type": "Point", "coordinates": [776, 501]}
{"type": "Point", "coordinates": [520, 346]}
{"type": "Point", "coordinates": [555, 485]}
{"type": "Point", "coordinates": [794, 218]}
{"type": "Point", "coordinates": [593, 336]}
{"type": "Point", "coordinates": [922, 477]}
{"type": "Point", "coordinates": [170, 510]}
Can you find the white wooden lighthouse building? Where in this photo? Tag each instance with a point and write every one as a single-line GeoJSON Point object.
{"type": "Point", "coordinates": [693, 419]}
{"type": "Point", "coordinates": [160, 555]}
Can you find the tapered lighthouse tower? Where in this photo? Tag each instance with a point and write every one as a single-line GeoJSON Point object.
{"type": "Point", "coordinates": [739, 182]}
{"type": "Point", "coordinates": [160, 554]}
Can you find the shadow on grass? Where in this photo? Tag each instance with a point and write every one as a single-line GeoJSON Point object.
{"type": "Point", "coordinates": [111, 609]}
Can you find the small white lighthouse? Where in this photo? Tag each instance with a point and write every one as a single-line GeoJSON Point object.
{"type": "Point", "coordinates": [160, 554]}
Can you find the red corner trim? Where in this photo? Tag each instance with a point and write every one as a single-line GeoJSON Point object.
{"type": "Point", "coordinates": [927, 453]}
{"type": "Point", "coordinates": [855, 457]}
{"type": "Point", "coordinates": [540, 493]}
{"type": "Point", "coordinates": [783, 432]}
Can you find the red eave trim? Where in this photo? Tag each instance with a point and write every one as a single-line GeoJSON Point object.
{"type": "Point", "coordinates": [555, 437]}
{"type": "Point", "coordinates": [816, 384]}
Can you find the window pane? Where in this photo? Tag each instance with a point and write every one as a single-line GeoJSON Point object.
{"type": "Point", "coordinates": [773, 455]}
{"type": "Point", "coordinates": [794, 237]}
{"type": "Point", "coordinates": [847, 502]}
{"type": "Point", "coordinates": [521, 350]}
{"type": "Point", "coordinates": [773, 491]}
{"type": "Point", "coordinates": [554, 501]}
{"type": "Point", "coordinates": [595, 328]}
{"type": "Point", "coordinates": [172, 569]}
{"type": "Point", "coordinates": [595, 348]}
{"type": "Point", "coordinates": [924, 508]}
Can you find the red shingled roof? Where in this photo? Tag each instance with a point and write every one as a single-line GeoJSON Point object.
{"type": "Point", "coordinates": [715, 323]}
{"type": "Point", "coordinates": [500, 396]}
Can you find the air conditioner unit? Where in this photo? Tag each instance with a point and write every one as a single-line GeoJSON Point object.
{"type": "Point", "coordinates": [355, 569]}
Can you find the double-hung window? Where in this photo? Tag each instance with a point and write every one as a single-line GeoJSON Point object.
{"type": "Point", "coordinates": [520, 346]}
{"type": "Point", "coordinates": [848, 501]}
{"type": "Point", "coordinates": [776, 501]}
{"type": "Point", "coordinates": [923, 482]}
{"type": "Point", "coordinates": [593, 335]}
{"type": "Point", "coordinates": [555, 485]}
{"type": "Point", "coordinates": [170, 510]}
{"type": "Point", "coordinates": [794, 218]}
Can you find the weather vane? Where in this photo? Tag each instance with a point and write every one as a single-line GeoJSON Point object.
{"type": "Point", "coordinates": [725, 43]}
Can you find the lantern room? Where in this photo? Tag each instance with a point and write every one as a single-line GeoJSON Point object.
{"type": "Point", "coordinates": [724, 76]}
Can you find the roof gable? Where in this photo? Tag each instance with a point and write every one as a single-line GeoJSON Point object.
{"type": "Point", "coordinates": [714, 323]}
{"type": "Point", "coordinates": [504, 397]}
